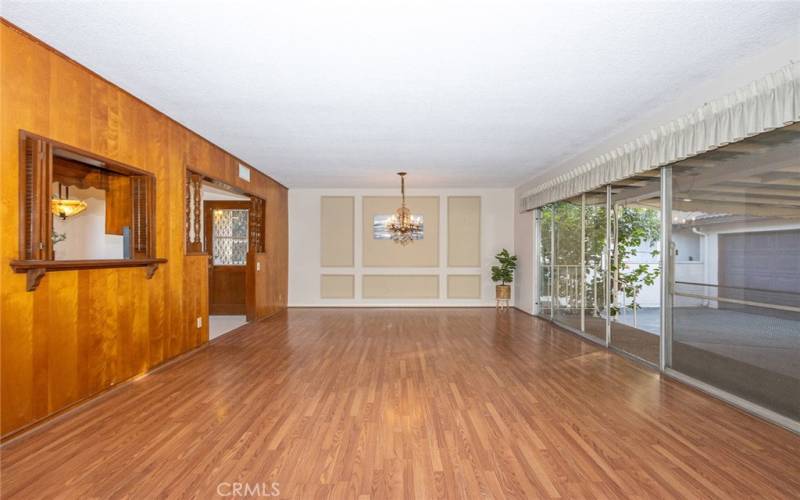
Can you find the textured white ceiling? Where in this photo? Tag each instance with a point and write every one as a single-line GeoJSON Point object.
{"type": "Point", "coordinates": [459, 94]}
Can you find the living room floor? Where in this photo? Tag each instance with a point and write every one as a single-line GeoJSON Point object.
{"type": "Point", "coordinates": [403, 403]}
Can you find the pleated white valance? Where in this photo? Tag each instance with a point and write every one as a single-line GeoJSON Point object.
{"type": "Point", "coordinates": [765, 104]}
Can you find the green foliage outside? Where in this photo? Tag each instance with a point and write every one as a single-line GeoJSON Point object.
{"type": "Point", "coordinates": [634, 226]}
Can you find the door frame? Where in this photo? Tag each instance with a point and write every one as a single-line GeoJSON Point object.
{"type": "Point", "coordinates": [255, 259]}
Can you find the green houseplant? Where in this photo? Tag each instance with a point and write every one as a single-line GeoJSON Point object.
{"type": "Point", "coordinates": [503, 273]}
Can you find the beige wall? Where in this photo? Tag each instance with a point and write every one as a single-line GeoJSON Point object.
{"type": "Point", "coordinates": [478, 221]}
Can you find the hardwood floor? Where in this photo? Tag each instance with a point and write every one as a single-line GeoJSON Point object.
{"type": "Point", "coordinates": [413, 403]}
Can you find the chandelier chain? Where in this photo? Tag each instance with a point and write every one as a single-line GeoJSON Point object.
{"type": "Point", "coordinates": [403, 226]}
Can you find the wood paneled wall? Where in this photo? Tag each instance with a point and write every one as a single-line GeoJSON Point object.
{"type": "Point", "coordinates": [83, 331]}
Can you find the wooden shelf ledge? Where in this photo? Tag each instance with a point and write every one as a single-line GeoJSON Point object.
{"type": "Point", "coordinates": [36, 269]}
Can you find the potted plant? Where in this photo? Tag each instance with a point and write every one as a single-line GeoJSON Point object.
{"type": "Point", "coordinates": [504, 273]}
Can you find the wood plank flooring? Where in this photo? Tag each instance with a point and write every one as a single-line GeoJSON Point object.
{"type": "Point", "coordinates": [414, 403]}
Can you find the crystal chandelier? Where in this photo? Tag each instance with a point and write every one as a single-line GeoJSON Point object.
{"type": "Point", "coordinates": [403, 226]}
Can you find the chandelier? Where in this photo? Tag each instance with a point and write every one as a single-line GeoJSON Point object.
{"type": "Point", "coordinates": [403, 226]}
{"type": "Point", "coordinates": [64, 207]}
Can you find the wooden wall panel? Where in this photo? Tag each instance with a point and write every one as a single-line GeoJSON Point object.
{"type": "Point", "coordinates": [195, 301]}
{"type": "Point", "coordinates": [277, 242]}
{"type": "Point", "coordinates": [83, 331]}
{"type": "Point", "coordinates": [119, 202]}
{"type": "Point", "coordinates": [62, 369]}
{"type": "Point", "coordinates": [257, 286]}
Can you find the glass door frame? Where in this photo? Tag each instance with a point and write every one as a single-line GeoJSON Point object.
{"type": "Point", "coordinates": [537, 232]}
{"type": "Point", "coordinates": [605, 342]}
{"type": "Point", "coordinates": [667, 269]}
{"type": "Point", "coordinates": [663, 288]}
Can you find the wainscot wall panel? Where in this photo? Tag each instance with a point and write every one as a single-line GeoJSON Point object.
{"type": "Point", "coordinates": [400, 286]}
{"type": "Point", "coordinates": [337, 286]}
{"type": "Point", "coordinates": [81, 332]}
{"type": "Point", "coordinates": [463, 286]}
{"type": "Point", "coordinates": [464, 231]}
{"type": "Point", "coordinates": [337, 231]}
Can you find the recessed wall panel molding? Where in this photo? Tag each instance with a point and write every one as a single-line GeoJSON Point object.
{"type": "Point", "coordinates": [381, 251]}
{"type": "Point", "coordinates": [337, 231]}
{"type": "Point", "coordinates": [463, 286]}
{"type": "Point", "coordinates": [337, 286]}
{"type": "Point", "coordinates": [398, 286]}
{"type": "Point", "coordinates": [464, 231]}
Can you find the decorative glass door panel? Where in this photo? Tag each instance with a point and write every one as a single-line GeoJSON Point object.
{"type": "Point", "coordinates": [230, 237]}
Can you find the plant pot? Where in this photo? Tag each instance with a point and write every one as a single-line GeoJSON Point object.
{"type": "Point", "coordinates": [503, 292]}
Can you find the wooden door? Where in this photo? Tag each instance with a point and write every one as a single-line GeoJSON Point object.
{"type": "Point", "coordinates": [226, 230]}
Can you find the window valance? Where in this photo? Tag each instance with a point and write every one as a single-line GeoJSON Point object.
{"type": "Point", "coordinates": [765, 104]}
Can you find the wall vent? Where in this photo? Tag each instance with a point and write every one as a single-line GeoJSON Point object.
{"type": "Point", "coordinates": [244, 172]}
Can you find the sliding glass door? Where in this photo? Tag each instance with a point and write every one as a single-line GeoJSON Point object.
{"type": "Point", "coordinates": [736, 295]}
{"type": "Point", "coordinates": [573, 263]}
{"type": "Point", "coordinates": [636, 268]}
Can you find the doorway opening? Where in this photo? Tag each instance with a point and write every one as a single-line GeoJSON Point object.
{"type": "Point", "coordinates": [226, 240]}
{"type": "Point", "coordinates": [226, 226]}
